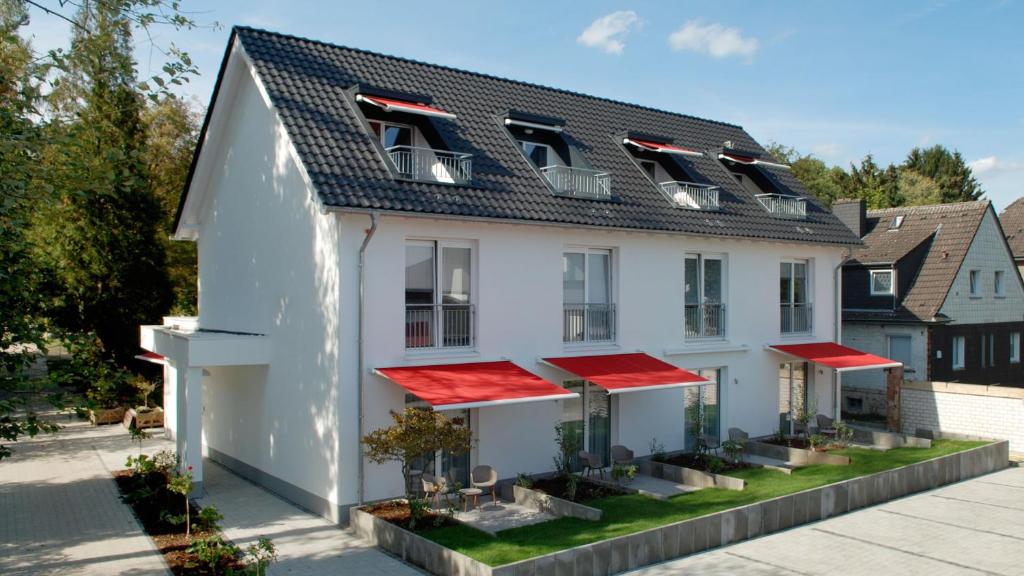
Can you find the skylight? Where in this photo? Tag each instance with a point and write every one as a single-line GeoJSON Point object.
{"type": "Point", "coordinates": [896, 222]}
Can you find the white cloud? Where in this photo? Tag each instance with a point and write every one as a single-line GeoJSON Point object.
{"type": "Point", "coordinates": [713, 39]}
{"type": "Point", "coordinates": [609, 31]}
{"type": "Point", "coordinates": [983, 165]}
{"type": "Point", "coordinates": [827, 149]}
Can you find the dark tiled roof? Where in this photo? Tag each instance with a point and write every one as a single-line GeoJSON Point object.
{"type": "Point", "coordinates": [1012, 221]}
{"type": "Point", "coordinates": [949, 227]}
{"type": "Point", "coordinates": [307, 82]}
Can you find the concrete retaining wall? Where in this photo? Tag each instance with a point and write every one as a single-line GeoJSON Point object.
{"type": "Point", "coordinates": [552, 505]}
{"type": "Point", "coordinates": [889, 440]}
{"type": "Point", "coordinates": [796, 456]}
{"type": "Point", "coordinates": [691, 477]}
{"type": "Point", "coordinates": [966, 409]}
{"type": "Point", "coordinates": [414, 549]}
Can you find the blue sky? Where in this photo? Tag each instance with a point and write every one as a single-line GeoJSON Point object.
{"type": "Point", "coordinates": [839, 80]}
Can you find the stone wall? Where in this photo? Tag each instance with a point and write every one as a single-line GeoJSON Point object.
{"type": "Point", "coordinates": [965, 409]}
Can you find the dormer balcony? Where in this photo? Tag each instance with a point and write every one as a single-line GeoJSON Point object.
{"type": "Point", "coordinates": [784, 206]}
{"type": "Point", "coordinates": [692, 196]}
{"type": "Point", "coordinates": [430, 165]}
{"type": "Point", "coordinates": [579, 182]}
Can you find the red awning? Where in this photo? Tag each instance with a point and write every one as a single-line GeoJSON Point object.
{"type": "Point", "coordinates": [626, 372]}
{"type": "Point", "coordinates": [473, 385]}
{"type": "Point", "coordinates": [841, 358]}
{"type": "Point", "coordinates": [740, 159]}
{"type": "Point", "coordinates": [152, 357]}
{"type": "Point", "coordinates": [658, 147]}
{"type": "Point", "coordinates": [392, 105]}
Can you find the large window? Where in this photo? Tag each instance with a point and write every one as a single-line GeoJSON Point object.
{"type": "Point", "coordinates": [974, 279]}
{"type": "Point", "coordinates": [881, 283]}
{"type": "Point", "coordinates": [997, 279]}
{"type": "Point", "coordinates": [794, 297]}
{"type": "Point", "coordinates": [391, 134]}
{"type": "Point", "coordinates": [958, 352]}
{"type": "Point", "coordinates": [589, 418]}
{"type": "Point", "coordinates": [588, 307]}
{"type": "Point", "coordinates": [703, 411]}
{"type": "Point", "coordinates": [703, 297]}
{"type": "Point", "coordinates": [438, 294]}
{"type": "Point", "coordinates": [539, 154]}
{"type": "Point", "coordinates": [442, 464]}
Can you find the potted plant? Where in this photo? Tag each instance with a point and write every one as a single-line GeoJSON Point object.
{"type": "Point", "coordinates": [108, 395]}
{"type": "Point", "coordinates": [143, 415]}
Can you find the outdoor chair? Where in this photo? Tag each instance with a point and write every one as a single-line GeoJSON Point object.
{"type": "Point", "coordinates": [590, 463]}
{"type": "Point", "coordinates": [621, 455]}
{"type": "Point", "coordinates": [435, 488]}
{"type": "Point", "coordinates": [738, 435]}
{"type": "Point", "coordinates": [826, 425]}
{"type": "Point", "coordinates": [485, 478]}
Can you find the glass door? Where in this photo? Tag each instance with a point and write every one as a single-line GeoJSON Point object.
{"type": "Point", "coordinates": [442, 464]}
{"type": "Point", "coordinates": [588, 418]}
{"type": "Point", "coordinates": [793, 394]}
{"type": "Point", "coordinates": [702, 411]}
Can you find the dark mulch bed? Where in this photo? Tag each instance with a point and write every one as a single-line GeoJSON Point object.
{"type": "Point", "coordinates": [695, 463]}
{"type": "Point", "coordinates": [585, 491]}
{"type": "Point", "coordinates": [796, 442]}
{"type": "Point", "coordinates": [169, 539]}
{"type": "Point", "coordinates": [397, 512]}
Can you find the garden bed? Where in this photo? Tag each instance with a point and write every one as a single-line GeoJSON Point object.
{"type": "Point", "coordinates": [693, 471]}
{"type": "Point", "coordinates": [397, 512]}
{"type": "Point", "coordinates": [586, 491]}
{"type": "Point", "coordinates": [794, 455]}
{"type": "Point", "coordinates": [559, 507]}
{"type": "Point", "coordinates": [704, 463]}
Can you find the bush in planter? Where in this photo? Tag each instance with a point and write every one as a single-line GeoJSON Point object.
{"type": "Point", "coordinates": [623, 474]}
{"type": "Point", "coordinates": [733, 449]}
{"type": "Point", "coordinates": [657, 450]}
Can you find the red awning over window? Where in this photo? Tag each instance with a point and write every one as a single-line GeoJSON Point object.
{"type": "Point", "coordinates": [658, 147]}
{"type": "Point", "coordinates": [740, 159]}
{"type": "Point", "coordinates": [841, 358]}
{"type": "Point", "coordinates": [392, 105]}
{"type": "Point", "coordinates": [626, 372]}
{"type": "Point", "coordinates": [152, 357]}
{"type": "Point", "coordinates": [473, 385]}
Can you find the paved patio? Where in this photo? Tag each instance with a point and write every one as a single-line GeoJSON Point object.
{"type": "Point", "coordinates": [493, 517]}
{"type": "Point", "coordinates": [974, 527]}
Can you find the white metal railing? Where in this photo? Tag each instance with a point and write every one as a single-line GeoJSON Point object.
{"type": "Point", "coordinates": [796, 317]}
{"type": "Point", "coordinates": [439, 326]}
{"type": "Point", "coordinates": [588, 323]}
{"type": "Point", "coordinates": [429, 164]}
{"type": "Point", "coordinates": [785, 206]}
{"type": "Point", "coordinates": [693, 196]}
{"type": "Point", "coordinates": [579, 182]}
{"type": "Point", "coordinates": [704, 320]}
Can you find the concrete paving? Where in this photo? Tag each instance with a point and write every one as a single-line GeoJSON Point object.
{"type": "Point", "coordinates": [493, 517]}
{"type": "Point", "coordinates": [975, 527]}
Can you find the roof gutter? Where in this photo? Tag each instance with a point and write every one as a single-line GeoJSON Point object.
{"type": "Point", "coordinates": [374, 218]}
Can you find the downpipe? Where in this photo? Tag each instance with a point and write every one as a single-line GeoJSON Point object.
{"type": "Point", "coordinates": [374, 217]}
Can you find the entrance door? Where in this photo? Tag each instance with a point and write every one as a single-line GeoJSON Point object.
{"type": "Point", "coordinates": [899, 350]}
{"type": "Point", "coordinates": [589, 418]}
{"type": "Point", "coordinates": [702, 411]}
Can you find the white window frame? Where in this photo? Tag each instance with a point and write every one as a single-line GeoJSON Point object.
{"type": "Point", "coordinates": [613, 270]}
{"type": "Point", "coordinates": [999, 280]}
{"type": "Point", "coordinates": [550, 152]}
{"type": "Point", "coordinates": [701, 257]}
{"type": "Point", "coordinates": [809, 290]}
{"type": "Point", "coordinates": [974, 283]}
{"type": "Point", "coordinates": [383, 127]}
{"type": "Point", "coordinates": [959, 344]}
{"type": "Point", "coordinates": [892, 282]}
{"type": "Point", "coordinates": [1014, 347]}
{"type": "Point", "coordinates": [439, 245]}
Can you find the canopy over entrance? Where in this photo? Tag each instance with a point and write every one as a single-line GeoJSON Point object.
{"type": "Point", "coordinates": [836, 356]}
{"type": "Point", "coordinates": [473, 385]}
{"type": "Point", "coordinates": [618, 373]}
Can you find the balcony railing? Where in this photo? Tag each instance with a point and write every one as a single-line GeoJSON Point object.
{"type": "Point", "coordinates": [796, 318]}
{"type": "Point", "coordinates": [431, 165]}
{"type": "Point", "coordinates": [704, 321]}
{"type": "Point", "coordinates": [579, 182]}
{"type": "Point", "coordinates": [588, 323]}
{"type": "Point", "coordinates": [439, 326]}
{"type": "Point", "coordinates": [692, 196]}
{"type": "Point", "coordinates": [784, 206]}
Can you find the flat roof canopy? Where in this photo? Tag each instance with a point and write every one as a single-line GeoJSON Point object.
{"type": "Point", "coordinates": [836, 356]}
{"type": "Point", "coordinates": [473, 385]}
{"type": "Point", "coordinates": [634, 372]}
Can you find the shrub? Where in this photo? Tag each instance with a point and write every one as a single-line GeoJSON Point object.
{"type": "Point", "coordinates": [258, 557]}
{"type": "Point", "coordinates": [733, 449]}
{"type": "Point", "coordinates": [844, 434]}
{"type": "Point", "coordinates": [571, 484]}
{"type": "Point", "coordinates": [208, 519]}
{"type": "Point", "coordinates": [568, 445]}
{"type": "Point", "coordinates": [714, 464]}
{"type": "Point", "coordinates": [182, 484]}
{"type": "Point", "coordinates": [523, 479]}
{"type": "Point", "coordinates": [818, 441]}
{"type": "Point", "coordinates": [418, 509]}
{"type": "Point", "coordinates": [214, 552]}
{"type": "Point", "coordinates": [623, 473]}
{"type": "Point", "coordinates": [657, 450]}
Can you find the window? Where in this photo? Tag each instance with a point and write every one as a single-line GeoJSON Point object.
{"type": "Point", "coordinates": [392, 135]}
{"type": "Point", "coordinates": [651, 168]}
{"type": "Point", "coordinates": [539, 154]}
{"type": "Point", "coordinates": [438, 304]}
{"type": "Point", "coordinates": [588, 307]}
{"type": "Point", "coordinates": [958, 353]}
{"type": "Point", "coordinates": [900, 349]}
{"type": "Point", "coordinates": [881, 283]}
{"type": "Point", "coordinates": [987, 350]}
{"type": "Point", "coordinates": [793, 394]}
{"type": "Point", "coordinates": [441, 464]}
{"type": "Point", "coordinates": [793, 297]}
{"type": "Point", "coordinates": [588, 419]}
{"type": "Point", "coordinates": [1014, 347]}
{"type": "Point", "coordinates": [974, 277]}
{"type": "Point", "coordinates": [998, 280]}
{"type": "Point", "coordinates": [702, 411]}
{"type": "Point", "coordinates": [704, 312]}
{"type": "Point", "coordinates": [896, 222]}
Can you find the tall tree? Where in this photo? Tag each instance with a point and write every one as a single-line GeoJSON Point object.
{"type": "Point", "coordinates": [950, 172]}
{"type": "Point", "coordinates": [824, 182]}
{"type": "Point", "coordinates": [99, 244]}
{"type": "Point", "coordinates": [918, 190]}
{"type": "Point", "coordinates": [878, 186]}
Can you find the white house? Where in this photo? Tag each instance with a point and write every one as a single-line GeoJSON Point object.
{"type": "Point", "coordinates": [375, 233]}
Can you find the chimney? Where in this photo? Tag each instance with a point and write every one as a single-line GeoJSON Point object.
{"type": "Point", "coordinates": [852, 212]}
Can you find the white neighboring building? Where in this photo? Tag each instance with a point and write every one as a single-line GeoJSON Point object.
{"type": "Point", "coordinates": [506, 229]}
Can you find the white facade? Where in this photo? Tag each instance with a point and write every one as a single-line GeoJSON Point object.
{"type": "Point", "coordinates": [273, 262]}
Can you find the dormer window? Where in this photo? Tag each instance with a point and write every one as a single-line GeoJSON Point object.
{"type": "Point", "coordinates": [402, 124]}
{"type": "Point", "coordinates": [543, 142]}
{"type": "Point", "coordinates": [746, 168]}
{"type": "Point", "coordinates": [882, 283]}
{"type": "Point", "coordinates": [658, 157]}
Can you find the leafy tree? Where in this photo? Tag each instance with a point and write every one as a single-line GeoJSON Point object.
{"type": "Point", "coordinates": [416, 432]}
{"type": "Point", "coordinates": [950, 172]}
{"type": "Point", "coordinates": [823, 182]}
{"type": "Point", "coordinates": [878, 186]}
{"type": "Point", "coordinates": [918, 190]}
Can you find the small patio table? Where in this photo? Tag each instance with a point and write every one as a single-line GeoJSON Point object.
{"type": "Point", "coordinates": [470, 492]}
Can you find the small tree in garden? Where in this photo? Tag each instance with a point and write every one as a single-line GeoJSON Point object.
{"type": "Point", "coordinates": [416, 432]}
{"type": "Point", "coordinates": [182, 484]}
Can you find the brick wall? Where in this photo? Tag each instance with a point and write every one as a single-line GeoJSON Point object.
{"type": "Point", "coordinates": [970, 409]}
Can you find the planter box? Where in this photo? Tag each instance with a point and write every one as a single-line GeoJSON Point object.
{"type": "Point", "coordinates": [552, 505]}
{"type": "Point", "coordinates": [889, 440]}
{"type": "Point", "coordinates": [696, 478]}
{"type": "Point", "coordinates": [795, 456]}
{"type": "Point", "coordinates": [106, 415]}
{"type": "Point", "coordinates": [151, 418]}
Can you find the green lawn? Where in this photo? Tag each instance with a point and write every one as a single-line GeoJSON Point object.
{"type": "Point", "coordinates": [634, 513]}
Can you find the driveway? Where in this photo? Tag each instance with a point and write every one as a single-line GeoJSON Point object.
{"type": "Point", "coordinates": [974, 527]}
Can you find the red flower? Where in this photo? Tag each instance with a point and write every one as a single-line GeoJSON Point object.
{"type": "Point", "coordinates": [189, 468]}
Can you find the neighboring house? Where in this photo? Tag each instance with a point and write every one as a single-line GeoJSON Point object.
{"type": "Point", "coordinates": [1012, 220]}
{"type": "Point", "coordinates": [934, 287]}
{"type": "Point", "coordinates": [516, 255]}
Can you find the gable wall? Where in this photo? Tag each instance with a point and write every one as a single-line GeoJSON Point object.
{"type": "Point", "coordinates": [987, 253]}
